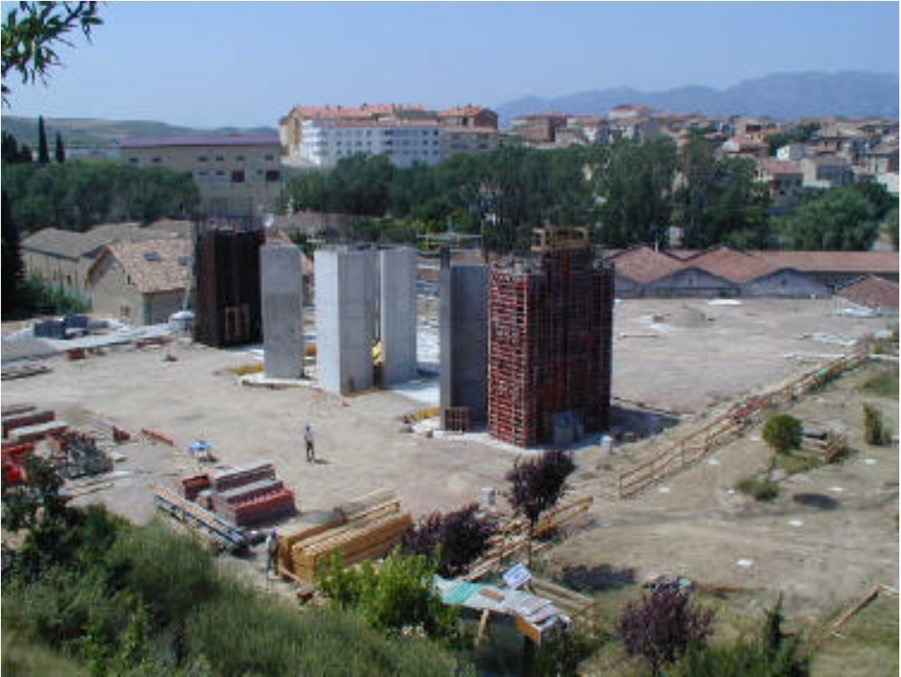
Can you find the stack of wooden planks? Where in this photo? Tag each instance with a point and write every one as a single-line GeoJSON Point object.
{"type": "Point", "coordinates": [364, 528]}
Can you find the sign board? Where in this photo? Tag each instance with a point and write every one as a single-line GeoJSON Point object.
{"type": "Point", "coordinates": [517, 576]}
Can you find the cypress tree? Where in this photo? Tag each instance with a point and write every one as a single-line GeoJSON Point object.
{"type": "Point", "coordinates": [60, 150]}
{"type": "Point", "coordinates": [43, 150]}
{"type": "Point", "coordinates": [12, 266]}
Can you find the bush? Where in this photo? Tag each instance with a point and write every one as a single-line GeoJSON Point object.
{"type": "Point", "coordinates": [456, 538]}
{"type": "Point", "coordinates": [662, 626]}
{"type": "Point", "coordinates": [875, 431]}
{"type": "Point", "coordinates": [782, 432]}
{"type": "Point", "coordinates": [400, 596]}
{"type": "Point", "coordinates": [761, 490]}
{"type": "Point", "coordinates": [884, 384]}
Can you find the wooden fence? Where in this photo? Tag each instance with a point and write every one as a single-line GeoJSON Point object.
{"type": "Point", "coordinates": [695, 446]}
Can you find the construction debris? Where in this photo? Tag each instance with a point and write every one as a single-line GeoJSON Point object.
{"type": "Point", "coordinates": [225, 535]}
{"type": "Point", "coordinates": [23, 369]}
{"type": "Point", "coordinates": [77, 454]}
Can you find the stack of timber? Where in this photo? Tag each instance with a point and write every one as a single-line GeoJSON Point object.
{"type": "Point", "coordinates": [364, 528]}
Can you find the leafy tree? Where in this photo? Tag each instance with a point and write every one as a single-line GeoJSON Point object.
{"type": "Point", "coordinates": [800, 134]}
{"type": "Point", "coordinates": [12, 266]}
{"type": "Point", "coordinates": [43, 149]}
{"type": "Point", "coordinates": [537, 484]}
{"type": "Point", "coordinates": [40, 511]}
{"type": "Point", "coordinates": [838, 219]}
{"type": "Point", "coordinates": [31, 31]}
{"type": "Point", "coordinates": [454, 539]}
{"type": "Point", "coordinates": [13, 153]}
{"type": "Point", "coordinates": [59, 151]}
{"type": "Point", "coordinates": [662, 625]}
{"type": "Point", "coordinates": [399, 595]}
{"type": "Point", "coordinates": [782, 432]}
{"type": "Point", "coordinates": [636, 186]}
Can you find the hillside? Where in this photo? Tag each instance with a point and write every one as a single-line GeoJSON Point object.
{"type": "Point", "coordinates": [94, 132]}
{"type": "Point", "coordinates": [785, 96]}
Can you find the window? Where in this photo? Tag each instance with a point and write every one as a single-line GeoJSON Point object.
{"type": "Point", "coordinates": [270, 157]}
{"type": "Point", "coordinates": [202, 158]}
{"type": "Point", "coordinates": [133, 160]}
{"type": "Point", "coordinates": [239, 158]}
{"type": "Point", "coordinates": [273, 175]}
{"type": "Point", "coordinates": [156, 160]}
{"type": "Point", "coordinates": [238, 176]}
{"type": "Point", "coordinates": [220, 158]}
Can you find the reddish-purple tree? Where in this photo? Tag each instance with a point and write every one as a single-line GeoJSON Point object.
{"type": "Point", "coordinates": [662, 625]}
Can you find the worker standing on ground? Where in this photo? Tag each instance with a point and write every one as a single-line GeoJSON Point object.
{"type": "Point", "coordinates": [308, 439]}
{"type": "Point", "coordinates": [271, 551]}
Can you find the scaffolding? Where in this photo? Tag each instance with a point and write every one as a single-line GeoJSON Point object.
{"type": "Point", "coordinates": [550, 341]}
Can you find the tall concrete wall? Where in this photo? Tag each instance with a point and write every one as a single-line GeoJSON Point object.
{"type": "Point", "coordinates": [346, 295]}
{"type": "Point", "coordinates": [397, 316]}
{"type": "Point", "coordinates": [281, 289]}
{"type": "Point", "coordinates": [464, 337]}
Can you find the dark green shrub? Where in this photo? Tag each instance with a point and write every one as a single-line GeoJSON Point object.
{"type": "Point", "coordinates": [760, 490]}
{"type": "Point", "coordinates": [875, 431]}
{"type": "Point", "coordinates": [782, 432]}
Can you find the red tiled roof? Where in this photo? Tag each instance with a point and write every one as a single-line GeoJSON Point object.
{"type": "Point", "coordinates": [462, 110]}
{"type": "Point", "coordinates": [732, 264]}
{"type": "Point", "coordinates": [643, 264]}
{"type": "Point", "coordinates": [872, 292]}
{"type": "Point", "coordinates": [833, 261]}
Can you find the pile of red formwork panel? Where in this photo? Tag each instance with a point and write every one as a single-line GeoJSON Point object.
{"type": "Point", "coordinates": [244, 495]}
{"type": "Point", "coordinates": [192, 485]}
{"type": "Point", "coordinates": [26, 417]}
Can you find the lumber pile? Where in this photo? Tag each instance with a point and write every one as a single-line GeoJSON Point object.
{"type": "Point", "coordinates": [360, 529]}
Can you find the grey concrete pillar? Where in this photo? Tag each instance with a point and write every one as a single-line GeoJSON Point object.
{"type": "Point", "coordinates": [464, 337]}
{"type": "Point", "coordinates": [346, 294]}
{"type": "Point", "coordinates": [281, 291]}
{"type": "Point", "coordinates": [397, 321]}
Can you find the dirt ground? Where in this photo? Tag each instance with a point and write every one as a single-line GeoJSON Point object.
{"type": "Point", "coordinates": [676, 357]}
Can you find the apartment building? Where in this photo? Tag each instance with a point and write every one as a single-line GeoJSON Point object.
{"type": "Point", "coordinates": [326, 141]}
{"type": "Point", "coordinates": [239, 175]}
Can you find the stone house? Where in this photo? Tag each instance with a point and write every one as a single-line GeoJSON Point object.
{"type": "Point", "coordinates": [141, 283]}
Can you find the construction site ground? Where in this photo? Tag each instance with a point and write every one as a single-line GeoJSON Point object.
{"type": "Point", "coordinates": [673, 359]}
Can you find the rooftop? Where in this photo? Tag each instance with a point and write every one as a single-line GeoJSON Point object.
{"type": "Point", "coordinates": [201, 140]}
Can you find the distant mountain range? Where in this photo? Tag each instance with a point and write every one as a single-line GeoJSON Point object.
{"type": "Point", "coordinates": [787, 96]}
{"type": "Point", "coordinates": [93, 132]}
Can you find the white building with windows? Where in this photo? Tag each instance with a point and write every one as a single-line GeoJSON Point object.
{"type": "Point", "coordinates": [404, 142]}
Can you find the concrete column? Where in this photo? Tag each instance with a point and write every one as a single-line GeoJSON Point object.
{"type": "Point", "coordinates": [464, 337]}
{"type": "Point", "coordinates": [281, 286]}
{"type": "Point", "coordinates": [346, 284]}
{"type": "Point", "coordinates": [397, 322]}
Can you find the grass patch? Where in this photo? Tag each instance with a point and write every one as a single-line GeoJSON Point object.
{"type": "Point", "coordinates": [795, 463]}
{"type": "Point", "coordinates": [760, 490]}
{"type": "Point", "coordinates": [868, 647]}
{"type": "Point", "coordinates": [883, 384]}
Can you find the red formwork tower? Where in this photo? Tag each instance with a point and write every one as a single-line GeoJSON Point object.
{"type": "Point", "coordinates": [549, 340]}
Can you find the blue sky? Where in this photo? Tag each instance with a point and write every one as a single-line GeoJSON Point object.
{"type": "Point", "coordinates": [207, 64]}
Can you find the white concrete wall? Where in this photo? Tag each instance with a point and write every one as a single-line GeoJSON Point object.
{"type": "Point", "coordinates": [397, 321]}
{"type": "Point", "coordinates": [346, 294]}
{"type": "Point", "coordinates": [281, 292]}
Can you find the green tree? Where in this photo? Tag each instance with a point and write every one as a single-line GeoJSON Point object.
{"type": "Point", "coordinates": [12, 266]}
{"type": "Point", "coordinates": [838, 219]}
{"type": "Point", "coordinates": [59, 151]}
{"type": "Point", "coordinates": [782, 432]}
{"type": "Point", "coordinates": [635, 184]}
{"type": "Point", "coordinates": [43, 149]}
{"type": "Point", "coordinates": [31, 32]}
